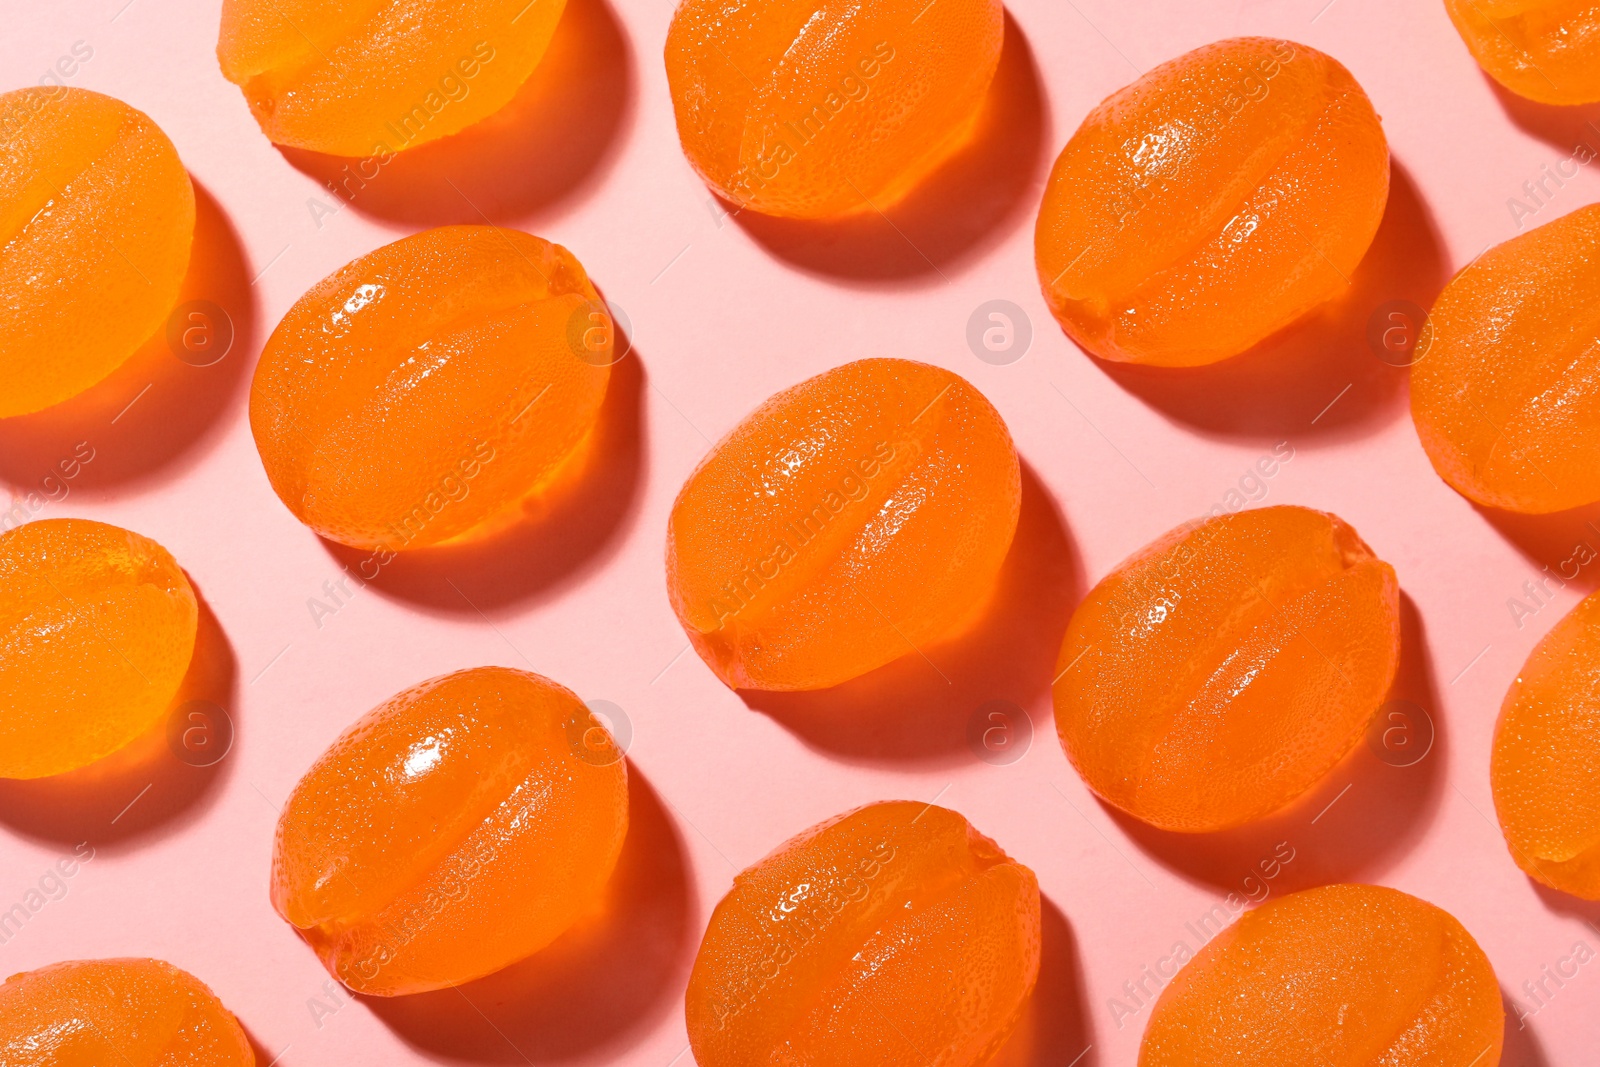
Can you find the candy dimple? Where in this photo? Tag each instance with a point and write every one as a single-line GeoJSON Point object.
{"type": "Point", "coordinates": [1211, 203]}
{"type": "Point", "coordinates": [1546, 50]}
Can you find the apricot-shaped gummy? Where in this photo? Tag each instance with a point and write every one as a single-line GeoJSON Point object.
{"type": "Point", "coordinates": [127, 1012]}
{"type": "Point", "coordinates": [1545, 767]}
{"type": "Point", "coordinates": [1219, 673]}
{"type": "Point", "coordinates": [97, 627]}
{"type": "Point", "coordinates": [458, 827]}
{"type": "Point", "coordinates": [841, 525]}
{"type": "Point", "coordinates": [370, 78]}
{"type": "Point", "coordinates": [1341, 976]}
{"type": "Point", "coordinates": [1211, 203]}
{"type": "Point", "coordinates": [790, 107]}
{"type": "Point", "coordinates": [895, 935]}
{"type": "Point", "coordinates": [1545, 50]}
{"type": "Point", "coordinates": [1506, 397]}
{"type": "Point", "coordinates": [430, 385]}
{"type": "Point", "coordinates": [96, 222]}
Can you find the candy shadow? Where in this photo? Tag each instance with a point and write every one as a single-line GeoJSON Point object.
{"type": "Point", "coordinates": [143, 790]}
{"type": "Point", "coordinates": [1054, 1030]}
{"type": "Point", "coordinates": [1563, 128]}
{"type": "Point", "coordinates": [573, 527]}
{"type": "Point", "coordinates": [970, 203]}
{"type": "Point", "coordinates": [922, 707]}
{"type": "Point", "coordinates": [1521, 1048]}
{"type": "Point", "coordinates": [550, 147]}
{"type": "Point", "coordinates": [1551, 541]}
{"type": "Point", "coordinates": [610, 977]}
{"type": "Point", "coordinates": [156, 408]}
{"type": "Point", "coordinates": [1364, 815]}
{"type": "Point", "coordinates": [1567, 904]}
{"type": "Point", "coordinates": [1320, 377]}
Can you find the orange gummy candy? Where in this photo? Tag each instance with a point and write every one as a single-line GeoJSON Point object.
{"type": "Point", "coordinates": [1221, 671]}
{"type": "Point", "coordinates": [458, 827]}
{"type": "Point", "coordinates": [1506, 395]}
{"type": "Point", "coordinates": [97, 627]}
{"type": "Point", "coordinates": [369, 78]}
{"type": "Point", "coordinates": [431, 386]}
{"type": "Point", "coordinates": [96, 222]}
{"type": "Point", "coordinates": [1545, 769]}
{"type": "Point", "coordinates": [116, 1013]}
{"type": "Point", "coordinates": [895, 935]}
{"type": "Point", "coordinates": [841, 525]}
{"type": "Point", "coordinates": [1545, 50]}
{"type": "Point", "coordinates": [793, 109]}
{"type": "Point", "coordinates": [1211, 203]}
{"type": "Point", "coordinates": [1341, 976]}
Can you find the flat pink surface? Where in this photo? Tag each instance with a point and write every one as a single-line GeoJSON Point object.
{"type": "Point", "coordinates": [725, 312]}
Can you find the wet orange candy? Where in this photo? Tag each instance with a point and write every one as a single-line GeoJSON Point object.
{"type": "Point", "coordinates": [843, 524]}
{"type": "Point", "coordinates": [895, 935]}
{"type": "Point", "coordinates": [1545, 767]}
{"type": "Point", "coordinates": [129, 1012]}
{"type": "Point", "coordinates": [1211, 203]}
{"type": "Point", "coordinates": [368, 78]}
{"type": "Point", "coordinates": [1506, 397]}
{"type": "Point", "coordinates": [1341, 976]}
{"type": "Point", "coordinates": [1221, 671]}
{"type": "Point", "coordinates": [791, 108]}
{"type": "Point", "coordinates": [97, 626]}
{"type": "Point", "coordinates": [96, 221]}
{"type": "Point", "coordinates": [430, 386]}
{"type": "Point", "coordinates": [1545, 50]}
{"type": "Point", "coordinates": [457, 828]}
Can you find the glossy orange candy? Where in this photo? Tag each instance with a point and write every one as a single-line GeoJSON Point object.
{"type": "Point", "coordinates": [1506, 397]}
{"type": "Point", "coordinates": [1341, 976]}
{"type": "Point", "coordinates": [1545, 768]}
{"type": "Point", "coordinates": [791, 108]}
{"type": "Point", "coordinates": [845, 523]}
{"type": "Point", "coordinates": [127, 1013]}
{"type": "Point", "coordinates": [430, 386]}
{"type": "Point", "coordinates": [1211, 203]}
{"type": "Point", "coordinates": [895, 935]}
{"type": "Point", "coordinates": [96, 222]}
{"type": "Point", "coordinates": [457, 828]}
{"type": "Point", "coordinates": [368, 78]}
{"type": "Point", "coordinates": [1545, 50]}
{"type": "Point", "coordinates": [97, 627]}
{"type": "Point", "coordinates": [1221, 671]}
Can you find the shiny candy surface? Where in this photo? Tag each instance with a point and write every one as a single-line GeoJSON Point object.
{"type": "Point", "coordinates": [129, 1012]}
{"type": "Point", "coordinates": [1344, 976]}
{"type": "Point", "coordinates": [1211, 203]}
{"type": "Point", "coordinates": [790, 107]}
{"type": "Point", "coordinates": [1545, 769]}
{"type": "Point", "coordinates": [1506, 398]}
{"type": "Point", "coordinates": [458, 827]}
{"type": "Point", "coordinates": [841, 525]}
{"type": "Point", "coordinates": [1546, 50]}
{"type": "Point", "coordinates": [96, 223]}
{"type": "Point", "coordinates": [97, 627]}
{"type": "Point", "coordinates": [895, 920]}
{"type": "Point", "coordinates": [431, 385]}
{"type": "Point", "coordinates": [1222, 670]}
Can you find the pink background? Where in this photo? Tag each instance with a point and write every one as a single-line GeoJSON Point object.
{"type": "Point", "coordinates": [725, 312]}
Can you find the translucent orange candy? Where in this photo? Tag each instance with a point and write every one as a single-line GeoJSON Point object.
{"type": "Point", "coordinates": [1211, 203]}
{"type": "Point", "coordinates": [808, 111]}
{"type": "Point", "coordinates": [1341, 976]}
{"type": "Point", "coordinates": [843, 524]}
{"type": "Point", "coordinates": [129, 1012]}
{"type": "Point", "coordinates": [457, 828]}
{"type": "Point", "coordinates": [895, 935]}
{"type": "Point", "coordinates": [97, 627]}
{"type": "Point", "coordinates": [370, 78]}
{"type": "Point", "coordinates": [1545, 768]}
{"type": "Point", "coordinates": [1221, 671]}
{"type": "Point", "coordinates": [430, 386]}
{"type": "Point", "coordinates": [96, 222]}
{"type": "Point", "coordinates": [1506, 396]}
{"type": "Point", "coordinates": [1545, 50]}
